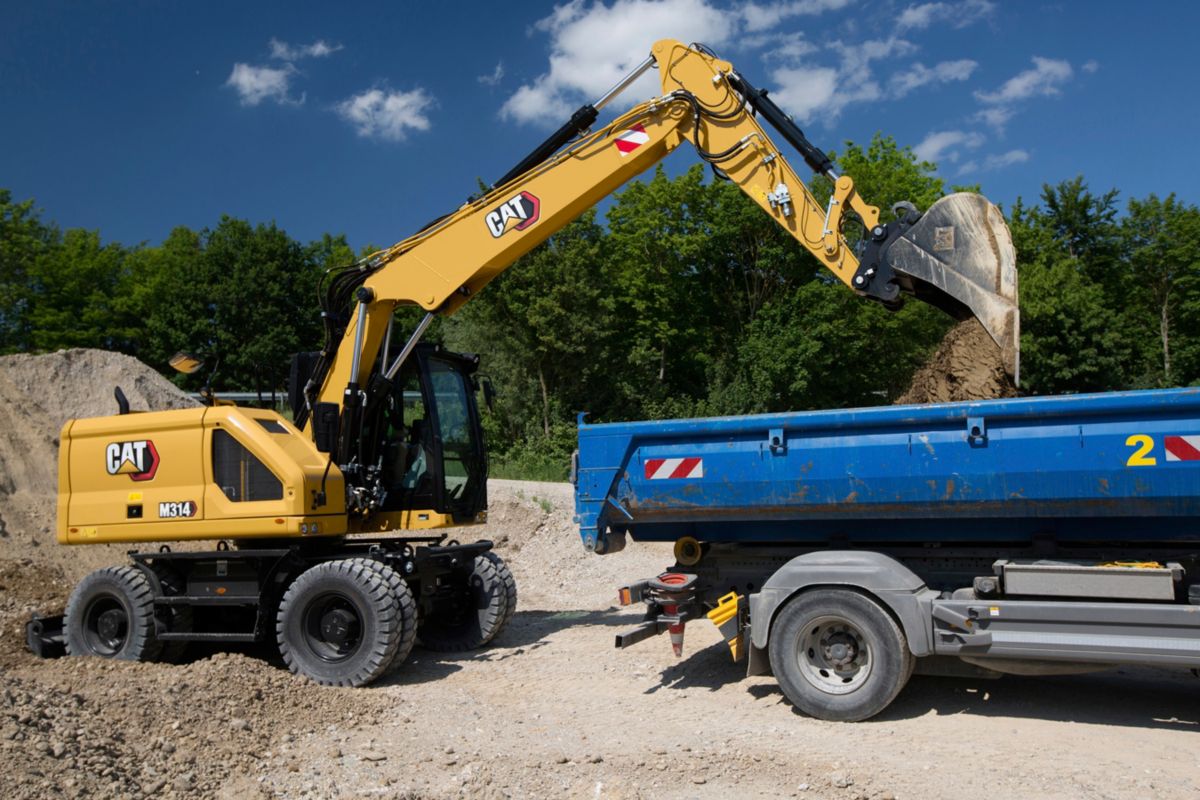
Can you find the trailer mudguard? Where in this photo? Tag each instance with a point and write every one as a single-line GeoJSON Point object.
{"type": "Point", "coordinates": [888, 581]}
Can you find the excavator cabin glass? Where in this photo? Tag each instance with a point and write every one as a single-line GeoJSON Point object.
{"type": "Point", "coordinates": [433, 456]}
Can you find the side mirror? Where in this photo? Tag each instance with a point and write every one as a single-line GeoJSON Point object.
{"type": "Point", "coordinates": [185, 363]}
{"type": "Point", "coordinates": [326, 421]}
{"type": "Point", "coordinates": [489, 394]}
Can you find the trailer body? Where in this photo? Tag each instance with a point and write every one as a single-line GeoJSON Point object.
{"type": "Point", "coordinates": [1026, 535]}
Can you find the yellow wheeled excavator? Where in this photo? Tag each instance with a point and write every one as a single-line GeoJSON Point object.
{"type": "Point", "coordinates": [332, 529]}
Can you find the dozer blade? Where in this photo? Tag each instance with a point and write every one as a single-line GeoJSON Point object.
{"type": "Point", "coordinates": [959, 256]}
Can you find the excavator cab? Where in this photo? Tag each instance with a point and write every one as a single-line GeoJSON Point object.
{"type": "Point", "coordinates": [412, 451]}
{"type": "Point", "coordinates": [431, 441]}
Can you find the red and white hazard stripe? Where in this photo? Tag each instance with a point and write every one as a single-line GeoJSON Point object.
{"type": "Point", "coordinates": [658, 469]}
{"type": "Point", "coordinates": [632, 139]}
{"type": "Point", "coordinates": [1182, 448]}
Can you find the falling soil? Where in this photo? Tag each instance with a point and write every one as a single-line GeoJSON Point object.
{"type": "Point", "coordinates": [968, 365]}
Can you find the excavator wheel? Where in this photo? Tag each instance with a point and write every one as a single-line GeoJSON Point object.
{"type": "Point", "coordinates": [510, 588]}
{"type": "Point", "coordinates": [408, 614]}
{"type": "Point", "coordinates": [474, 612]}
{"type": "Point", "coordinates": [341, 622]}
{"type": "Point", "coordinates": [177, 619]}
{"type": "Point", "coordinates": [111, 615]}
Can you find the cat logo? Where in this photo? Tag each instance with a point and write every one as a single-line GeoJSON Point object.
{"type": "Point", "coordinates": [138, 460]}
{"type": "Point", "coordinates": [516, 214]}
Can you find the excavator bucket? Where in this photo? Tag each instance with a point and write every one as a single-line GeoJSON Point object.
{"type": "Point", "coordinates": [959, 256]}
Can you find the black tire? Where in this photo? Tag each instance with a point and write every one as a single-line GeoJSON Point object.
{"type": "Point", "coordinates": [510, 588]}
{"type": "Point", "coordinates": [340, 623]}
{"type": "Point", "coordinates": [408, 614]}
{"type": "Point", "coordinates": [111, 615]}
{"type": "Point", "coordinates": [472, 615]}
{"type": "Point", "coordinates": [838, 655]}
{"type": "Point", "coordinates": [176, 619]}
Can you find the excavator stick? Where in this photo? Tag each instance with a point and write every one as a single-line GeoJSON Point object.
{"type": "Point", "coordinates": [958, 256]}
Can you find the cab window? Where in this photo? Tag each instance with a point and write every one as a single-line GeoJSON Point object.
{"type": "Point", "coordinates": [239, 473]}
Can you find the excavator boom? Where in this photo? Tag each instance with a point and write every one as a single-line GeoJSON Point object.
{"type": "Point", "coordinates": [958, 255]}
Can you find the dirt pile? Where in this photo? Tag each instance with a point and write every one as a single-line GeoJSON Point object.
{"type": "Point", "coordinates": [91, 731]}
{"type": "Point", "coordinates": [967, 365]}
{"type": "Point", "coordinates": [39, 393]}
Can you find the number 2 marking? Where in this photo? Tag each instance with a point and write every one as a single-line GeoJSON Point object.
{"type": "Point", "coordinates": [1141, 456]}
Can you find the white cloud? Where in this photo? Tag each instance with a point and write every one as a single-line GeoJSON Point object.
{"type": "Point", "coordinates": [919, 75]}
{"type": "Point", "coordinates": [1044, 79]}
{"type": "Point", "coordinates": [1091, 65]}
{"type": "Point", "coordinates": [385, 114]}
{"type": "Point", "coordinates": [1006, 159]}
{"type": "Point", "coordinates": [994, 162]}
{"type": "Point", "coordinates": [933, 146]}
{"type": "Point", "coordinates": [805, 90]}
{"type": "Point", "coordinates": [777, 45]}
{"type": "Point", "coordinates": [958, 15]}
{"type": "Point", "coordinates": [763, 16]}
{"type": "Point", "coordinates": [494, 77]}
{"type": "Point", "coordinates": [286, 52]}
{"type": "Point", "coordinates": [592, 46]}
{"type": "Point", "coordinates": [858, 57]}
{"type": "Point", "coordinates": [256, 84]}
{"type": "Point", "coordinates": [997, 117]}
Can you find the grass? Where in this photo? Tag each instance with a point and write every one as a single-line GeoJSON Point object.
{"type": "Point", "coordinates": [525, 471]}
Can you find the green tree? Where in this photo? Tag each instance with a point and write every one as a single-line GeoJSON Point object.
{"type": "Point", "coordinates": [1069, 339]}
{"type": "Point", "coordinates": [151, 277]}
{"type": "Point", "coordinates": [1085, 224]}
{"type": "Point", "coordinates": [24, 241]}
{"type": "Point", "coordinates": [74, 286]}
{"type": "Point", "coordinates": [545, 327]}
{"type": "Point", "coordinates": [247, 299]}
{"type": "Point", "coordinates": [657, 242]}
{"type": "Point", "coordinates": [1163, 241]}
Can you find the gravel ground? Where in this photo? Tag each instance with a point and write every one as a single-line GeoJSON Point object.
{"type": "Point", "coordinates": [553, 710]}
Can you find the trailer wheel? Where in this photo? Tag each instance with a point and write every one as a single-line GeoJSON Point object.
{"type": "Point", "coordinates": [111, 614]}
{"type": "Point", "coordinates": [838, 656]}
{"type": "Point", "coordinates": [473, 612]}
{"type": "Point", "coordinates": [340, 623]}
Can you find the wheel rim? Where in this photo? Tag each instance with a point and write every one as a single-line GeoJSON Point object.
{"type": "Point", "coordinates": [106, 625]}
{"type": "Point", "coordinates": [834, 656]}
{"type": "Point", "coordinates": [332, 627]}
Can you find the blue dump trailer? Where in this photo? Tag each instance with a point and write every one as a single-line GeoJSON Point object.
{"type": "Point", "coordinates": [840, 549]}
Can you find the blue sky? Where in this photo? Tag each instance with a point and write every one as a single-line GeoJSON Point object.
{"type": "Point", "coordinates": [372, 118]}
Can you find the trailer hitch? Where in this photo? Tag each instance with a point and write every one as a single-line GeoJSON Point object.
{"type": "Point", "coordinates": [670, 602]}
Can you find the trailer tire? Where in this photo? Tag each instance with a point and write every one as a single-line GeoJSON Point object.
{"type": "Point", "coordinates": [110, 614]}
{"type": "Point", "coordinates": [838, 655]}
{"type": "Point", "coordinates": [473, 617]}
{"type": "Point", "coordinates": [340, 623]}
